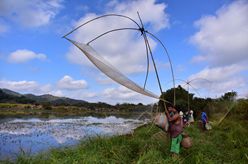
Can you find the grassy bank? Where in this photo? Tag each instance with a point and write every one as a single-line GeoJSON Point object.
{"type": "Point", "coordinates": [9, 110]}
{"type": "Point", "coordinates": [225, 143]}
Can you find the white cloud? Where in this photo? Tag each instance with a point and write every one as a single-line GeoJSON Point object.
{"type": "Point", "coordinates": [103, 79]}
{"type": "Point", "coordinates": [125, 50]}
{"type": "Point", "coordinates": [157, 19]}
{"type": "Point", "coordinates": [62, 90]}
{"type": "Point", "coordinates": [30, 13]}
{"type": "Point", "coordinates": [82, 95]}
{"type": "Point", "coordinates": [222, 38]}
{"type": "Point", "coordinates": [121, 94]}
{"type": "Point", "coordinates": [58, 93]}
{"type": "Point", "coordinates": [87, 95]}
{"type": "Point", "coordinates": [19, 85]}
{"type": "Point", "coordinates": [119, 46]}
{"type": "Point", "coordinates": [23, 55]}
{"type": "Point", "coordinates": [219, 80]}
{"type": "Point", "coordinates": [110, 95]}
{"type": "Point", "coordinates": [218, 73]}
{"type": "Point", "coordinates": [29, 87]}
{"type": "Point", "coordinates": [223, 42]}
{"type": "Point", "coordinates": [69, 83]}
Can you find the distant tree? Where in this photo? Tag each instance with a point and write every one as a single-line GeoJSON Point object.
{"type": "Point", "coordinates": [241, 108]}
{"type": "Point", "coordinates": [102, 105]}
{"type": "Point", "coordinates": [23, 100]}
{"type": "Point", "coordinates": [47, 106]}
{"type": "Point", "coordinates": [200, 104]}
{"type": "Point", "coordinates": [229, 96]}
{"type": "Point", "coordinates": [182, 97]}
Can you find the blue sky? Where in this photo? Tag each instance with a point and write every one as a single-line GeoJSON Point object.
{"type": "Point", "coordinates": [205, 39]}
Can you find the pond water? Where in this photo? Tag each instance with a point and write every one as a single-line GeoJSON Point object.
{"type": "Point", "coordinates": [34, 135]}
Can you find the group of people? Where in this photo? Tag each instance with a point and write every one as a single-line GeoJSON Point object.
{"type": "Point", "coordinates": [177, 121]}
{"type": "Point", "coordinates": [188, 117]}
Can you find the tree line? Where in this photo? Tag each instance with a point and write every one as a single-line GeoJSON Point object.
{"type": "Point", "coordinates": [186, 101]}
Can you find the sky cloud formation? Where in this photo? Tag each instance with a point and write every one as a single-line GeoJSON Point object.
{"type": "Point", "coordinates": [25, 86]}
{"type": "Point", "coordinates": [219, 73]}
{"type": "Point", "coordinates": [120, 45]}
{"type": "Point", "coordinates": [219, 79]}
{"type": "Point", "coordinates": [222, 38]}
{"type": "Point", "coordinates": [24, 55]}
{"type": "Point", "coordinates": [31, 31]}
{"type": "Point", "coordinates": [121, 94]}
{"type": "Point", "coordinates": [68, 82]}
{"type": "Point", "coordinates": [19, 85]}
{"type": "Point", "coordinates": [68, 87]}
{"type": "Point", "coordinates": [222, 41]}
{"type": "Point", "coordinates": [157, 19]}
{"type": "Point", "coordinates": [64, 87]}
{"type": "Point", "coordinates": [33, 13]}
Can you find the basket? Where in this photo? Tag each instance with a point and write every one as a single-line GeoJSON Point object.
{"type": "Point", "coordinates": [208, 126]}
{"type": "Point", "coordinates": [186, 142]}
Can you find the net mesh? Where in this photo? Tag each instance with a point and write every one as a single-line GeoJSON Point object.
{"type": "Point", "coordinates": [110, 70]}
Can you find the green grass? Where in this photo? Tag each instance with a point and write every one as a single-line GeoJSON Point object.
{"type": "Point", "coordinates": [227, 142]}
{"type": "Point", "coordinates": [20, 110]}
{"type": "Point", "coordinates": [8, 105]}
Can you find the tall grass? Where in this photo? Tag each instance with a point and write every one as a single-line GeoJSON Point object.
{"type": "Point", "coordinates": [225, 143]}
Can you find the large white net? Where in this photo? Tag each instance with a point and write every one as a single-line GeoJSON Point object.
{"type": "Point", "coordinates": [110, 70]}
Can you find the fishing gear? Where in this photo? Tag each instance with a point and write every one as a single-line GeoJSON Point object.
{"type": "Point", "coordinates": [113, 72]}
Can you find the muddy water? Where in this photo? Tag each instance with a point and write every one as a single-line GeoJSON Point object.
{"type": "Point", "coordinates": [34, 135]}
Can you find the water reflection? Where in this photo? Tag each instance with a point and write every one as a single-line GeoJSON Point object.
{"type": "Point", "coordinates": [33, 135]}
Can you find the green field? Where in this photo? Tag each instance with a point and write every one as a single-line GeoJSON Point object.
{"type": "Point", "coordinates": [227, 142]}
{"type": "Point", "coordinates": [13, 110]}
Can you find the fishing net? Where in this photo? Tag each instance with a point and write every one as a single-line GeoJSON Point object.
{"type": "Point", "coordinates": [110, 70]}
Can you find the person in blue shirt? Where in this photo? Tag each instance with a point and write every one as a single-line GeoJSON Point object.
{"type": "Point", "coordinates": [204, 119]}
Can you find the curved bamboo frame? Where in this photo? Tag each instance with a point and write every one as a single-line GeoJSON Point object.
{"type": "Point", "coordinates": [147, 45]}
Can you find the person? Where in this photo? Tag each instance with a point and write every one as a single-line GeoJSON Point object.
{"type": "Point", "coordinates": [181, 114]}
{"type": "Point", "coordinates": [186, 118]}
{"type": "Point", "coordinates": [191, 117]}
{"type": "Point", "coordinates": [175, 130]}
{"type": "Point", "coordinates": [204, 119]}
